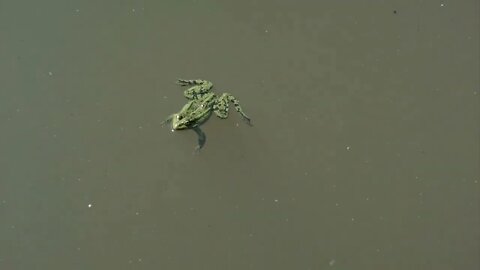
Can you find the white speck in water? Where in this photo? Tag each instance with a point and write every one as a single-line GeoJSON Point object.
{"type": "Point", "coordinates": [137, 213]}
{"type": "Point", "coordinates": [133, 10]}
{"type": "Point", "coordinates": [50, 73]}
{"type": "Point", "coordinates": [90, 205]}
{"type": "Point", "coordinates": [442, 4]}
{"type": "Point", "coordinates": [353, 219]}
{"type": "Point", "coordinates": [331, 262]}
{"type": "Point", "coordinates": [475, 181]}
{"type": "Point", "coordinates": [140, 260]}
{"type": "Point", "coordinates": [276, 200]}
{"type": "Point", "coordinates": [266, 31]}
{"type": "Point", "coordinates": [348, 147]}
{"type": "Point", "coordinates": [337, 204]}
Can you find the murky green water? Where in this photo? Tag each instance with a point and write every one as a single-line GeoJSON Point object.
{"type": "Point", "coordinates": [364, 152]}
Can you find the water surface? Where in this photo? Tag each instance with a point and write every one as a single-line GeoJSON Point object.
{"type": "Point", "coordinates": [364, 152]}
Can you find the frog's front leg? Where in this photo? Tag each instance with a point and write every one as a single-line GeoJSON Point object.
{"type": "Point", "coordinates": [220, 108]}
{"type": "Point", "coordinates": [199, 87]}
{"type": "Point", "coordinates": [167, 120]}
{"type": "Point", "coordinates": [201, 138]}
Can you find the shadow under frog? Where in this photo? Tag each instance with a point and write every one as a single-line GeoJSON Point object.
{"type": "Point", "coordinates": [200, 107]}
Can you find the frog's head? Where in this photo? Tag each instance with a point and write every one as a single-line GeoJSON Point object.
{"type": "Point", "coordinates": [180, 122]}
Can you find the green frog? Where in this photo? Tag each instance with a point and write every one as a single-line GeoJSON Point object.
{"type": "Point", "coordinates": [202, 102]}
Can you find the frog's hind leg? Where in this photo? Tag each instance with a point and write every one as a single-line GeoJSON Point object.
{"type": "Point", "coordinates": [184, 82]}
{"type": "Point", "coordinates": [221, 107]}
{"type": "Point", "coordinates": [199, 87]}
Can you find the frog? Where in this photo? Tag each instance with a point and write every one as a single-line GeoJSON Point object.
{"type": "Point", "coordinates": [202, 103]}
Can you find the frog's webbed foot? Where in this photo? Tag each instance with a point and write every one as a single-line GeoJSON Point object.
{"type": "Point", "coordinates": [220, 108]}
{"type": "Point", "coordinates": [199, 87]}
{"type": "Point", "coordinates": [184, 82]}
{"type": "Point", "coordinates": [201, 138]}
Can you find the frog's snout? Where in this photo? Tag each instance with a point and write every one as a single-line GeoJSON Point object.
{"type": "Point", "coordinates": [178, 123]}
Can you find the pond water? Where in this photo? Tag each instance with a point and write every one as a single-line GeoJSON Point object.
{"type": "Point", "coordinates": [363, 154]}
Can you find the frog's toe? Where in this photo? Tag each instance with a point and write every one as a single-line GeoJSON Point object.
{"type": "Point", "coordinates": [182, 82]}
{"type": "Point", "coordinates": [166, 121]}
